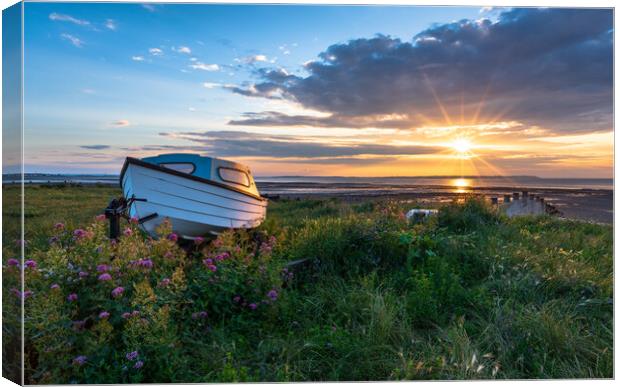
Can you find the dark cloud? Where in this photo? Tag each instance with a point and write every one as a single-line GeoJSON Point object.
{"type": "Point", "coordinates": [244, 144]}
{"type": "Point", "coordinates": [95, 147]}
{"type": "Point", "coordinates": [547, 67]}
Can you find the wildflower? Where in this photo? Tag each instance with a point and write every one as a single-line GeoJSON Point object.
{"type": "Point", "coordinates": [236, 299]}
{"type": "Point", "coordinates": [173, 237]}
{"type": "Point", "coordinates": [13, 262]}
{"type": "Point", "coordinates": [117, 292]}
{"type": "Point", "coordinates": [83, 274]}
{"type": "Point", "coordinates": [138, 364]}
{"type": "Point", "coordinates": [80, 360]}
{"type": "Point", "coordinates": [126, 315]}
{"type": "Point", "coordinates": [207, 261]}
{"type": "Point", "coordinates": [194, 315]}
{"type": "Point", "coordinates": [213, 268]}
{"type": "Point", "coordinates": [100, 217]}
{"type": "Point", "coordinates": [223, 256]}
{"type": "Point", "coordinates": [128, 232]}
{"type": "Point", "coordinates": [103, 315]}
{"type": "Point", "coordinates": [24, 295]}
{"type": "Point", "coordinates": [133, 220]}
{"type": "Point", "coordinates": [135, 313]}
{"type": "Point", "coordinates": [132, 355]}
{"type": "Point", "coordinates": [272, 294]}
{"type": "Point", "coordinates": [217, 243]}
{"type": "Point", "coordinates": [252, 306]}
{"type": "Point", "coordinates": [30, 264]}
{"type": "Point", "coordinates": [72, 297]}
{"type": "Point", "coordinates": [53, 240]}
{"type": "Point", "coordinates": [105, 277]}
{"type": "Point", "coordinates": [79, 233]}
{"type": "Point", "coordinates": [165, 282]}
{"type": "Point", "coordinates": [102, 268]}
{"type": "Point", "coordinates": [168, 255]}
{"type": "Point", "coordinates": [145, 263]}
{"type": "Point", "coordinates": [59, 226]}
{"type": "Point", "coordinates": [199, 240]}
{"type": "Point", "coordinates": [55, 286]}
{"type": "Point", "coordinates": [203, 314]}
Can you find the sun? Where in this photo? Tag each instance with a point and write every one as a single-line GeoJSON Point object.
{"type": "Point", "coordinates": [462, 146]}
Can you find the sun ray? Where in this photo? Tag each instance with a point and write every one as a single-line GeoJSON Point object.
{"type": "Point", "coordinates": [446, 116]}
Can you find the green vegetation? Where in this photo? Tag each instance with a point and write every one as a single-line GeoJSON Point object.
{"type": "Point", "coordinates": [468, 294]}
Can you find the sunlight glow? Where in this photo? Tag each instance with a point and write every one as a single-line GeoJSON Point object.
{"type": "Point", "coordinates": [462, 146]}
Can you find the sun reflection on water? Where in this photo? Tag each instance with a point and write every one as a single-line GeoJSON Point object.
{"type": "Point", "coordinates": [461, 185]}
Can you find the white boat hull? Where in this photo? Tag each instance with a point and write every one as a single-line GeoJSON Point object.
{"type": "Point", "coordinates": [195, 208]}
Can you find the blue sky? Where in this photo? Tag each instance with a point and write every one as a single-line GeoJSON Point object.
{"type": "Point", "coordinates": [103, 81]}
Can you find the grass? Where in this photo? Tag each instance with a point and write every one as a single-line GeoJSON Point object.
{"type": "Point", "coordinates": [469, 294]}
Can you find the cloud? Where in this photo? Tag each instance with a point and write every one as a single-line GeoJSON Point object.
{"type": "Point", "coordinates": [156, 51]}
{"type": "Point", "coordinates": [66, 18]}
{"type": "Point", "coordinates": [137, 58]}
{"type": "Point", "coordinates": [204, 66]}
{"type": "Point", "coordinates": [255, 59]}
{"type": "Point", "coordinates": [120, 123]}
{"type": "Point", "coordinates": [184, 50]}
{"type": "Point", "coordinates": [548, 67]}
{"type": "Point", "coordinates": [95, 147]}
{"type": "Point", "coordinates": [77, 42]}
{"type": "Point", "coordinates": [149, 7]}
{"type": "Point", "coordinates": [110, 24]}
{"type": "Point", "coordinates": [245, 144]}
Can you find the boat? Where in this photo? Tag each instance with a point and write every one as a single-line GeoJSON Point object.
{"type": "Point", "coordinates": [200, 195]}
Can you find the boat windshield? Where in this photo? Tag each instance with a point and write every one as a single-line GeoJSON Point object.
{"type": "Point", "coordinates": [235, 176]}
{"type": "Point", "coordinates": [181, 167]}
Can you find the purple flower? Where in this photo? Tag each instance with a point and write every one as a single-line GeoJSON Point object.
{"type": "Point", "coordinates": [252, 306]}
{"type": "Point", "coordinates": [72, 297]}
{"type": "Point", "coordinates": [80, 360]}
{"type": "Point", "coordinates": [27, 293]}
{"type": "Point", "coordinates": [138, 364]}
{"type": "Point", "coordinates": [212, 268]}
{"type": "Point", "coordinates": [83, 274]}
{"type": "Point", "coordinates": [59, 226]}
{"type": "Point", "coordinates": [53, 240]}
{"type": "Point", "coordinates": [135, 313]}
{"type": "Point", "coordinates": [105, 277]}
{"type": "Point", "coordinates": [173, 237]}
{"type": "Point", "coordinates": [207, 261]}
{"type": "Point", "coordinates": [79, 233]}
{"type": "Point", "coordinates": [199, 240]}
{"type": "Point", "coordinates": [203, 314]}
{"type": "Point", "coordinates": [30, 264]}
{"type": "Point", "coordinates": [103, 315]}
{"type": "Point", "coordinates": [236, 299]}
{"type": "Point", "coordinates": [102, 268]}
{"type": "Point", "coordinates": [223, 256]}
{"type": "Point", "coordinates": [13, 262]}
{"type": "Point", "coordinates": [132, 355]}
{"type": "Point", "coordinates": [273, 294]}
{"type": "Point", "coordinates": [117, 292]}
{"type": "Point", "coordinates": [55, 287]}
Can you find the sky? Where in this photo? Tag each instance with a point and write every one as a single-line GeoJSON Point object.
{"type": "Point", "coordinates": [321, 90]}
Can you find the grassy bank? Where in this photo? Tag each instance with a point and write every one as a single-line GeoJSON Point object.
{"type": "Point", "coordinates": [468, 294]}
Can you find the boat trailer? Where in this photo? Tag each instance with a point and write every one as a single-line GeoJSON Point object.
{"type": "Point", "coordinates": [119, 208]}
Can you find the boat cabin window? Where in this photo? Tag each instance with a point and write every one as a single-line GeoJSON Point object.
{"type": "Point", "coordinates": [235, 176]}
{"type": "Point", "coordinates": [181, 167]}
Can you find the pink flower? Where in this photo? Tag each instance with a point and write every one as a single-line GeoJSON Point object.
{"type": "Point", "coordinates": [117, 292]}
{"type": "Point", "coordinates": [30, 264]}
{"type": "Point", "coordinates": [173, 237]}
{"type": "Point", "coordinates": [79, 233]}
{"type": "Point", "coordinates": [223, 256]}
{"type": "Point", "coordinates": [80, 360]}
{"type": "Point", "coordinates": [165, 282]}
{"type": "Point", "coordinates": [273, 294]}
{"type": "Point", "coordinates": [72, 297]}
{"type": "Point", "coordinates": [102, 268]}
{"type": "Point", "coordinates": [199, 240]}
{"type": "Point", "coordinates": [103, 315]}
{"type": "Point", "coordinates": [128, 232]}
{"type": "Point", "coordinates": [100, 218]}
{"type": "Point", "coordinates": [12, 262]}
{"type": "Point", "coordinates": [55, 287]}
{"type": "Point", "coordinates": [168, 255]}
{"type": "Point", "coordinates": [126, 315]}
{"type": "Point", "coordinates": [135, 313]}
{"type": "Point", "coordinates": [133, 220]}
{"type": "Point", "coordinates": [59, 226]}
{"type": "Point", "coordinates": [105, 277]}
{"type": "Point", "coordinates": [252, 306]}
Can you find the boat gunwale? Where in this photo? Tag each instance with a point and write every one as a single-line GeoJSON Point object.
{"type": "Point", "coordinates": [135, 161]}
